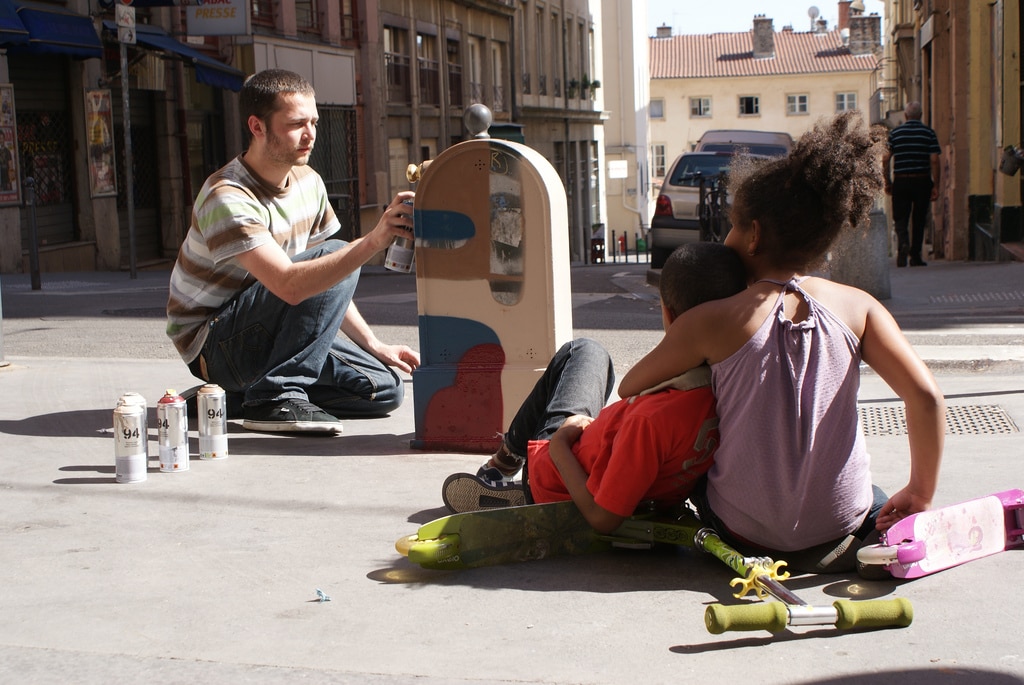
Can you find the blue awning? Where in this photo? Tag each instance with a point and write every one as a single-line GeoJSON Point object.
{"type": "Point", "coordinates": [208, 70]}
{"type": "Point", "coordinates": [55, 30]}
{"type": "Point", "coordinates": [12, 31]}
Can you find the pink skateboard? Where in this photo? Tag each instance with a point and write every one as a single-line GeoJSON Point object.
{"type": "Point", "coordinates": [941, 538]}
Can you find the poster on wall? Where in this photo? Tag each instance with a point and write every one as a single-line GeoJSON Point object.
{"type": "Point", "coordinates": [99, 123]}
{"type": "Point", "coordinates": [10, 185]}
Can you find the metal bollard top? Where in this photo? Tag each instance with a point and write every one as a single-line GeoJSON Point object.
{"type": "Point", "coordinates": [478, 119]}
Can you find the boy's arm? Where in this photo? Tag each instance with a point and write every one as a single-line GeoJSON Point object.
{"type": "Point", "coordinates": [679, 350]}
{"type": "Point", "coordinates": [886, 350]}
{"type": "Point", "coordinates": [575, 478]}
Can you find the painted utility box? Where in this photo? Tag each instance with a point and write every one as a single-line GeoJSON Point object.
{"type": "Point", "coordinates": [492, 285]}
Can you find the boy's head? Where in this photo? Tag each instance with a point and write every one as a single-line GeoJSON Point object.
{"type": "Point", "coordinates": [699, 272]}
{"type": "Point", "coordinates": [259, 95]}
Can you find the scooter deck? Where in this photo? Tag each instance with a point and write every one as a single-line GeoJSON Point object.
{"type": "Point", "coordinates": [958, 533]}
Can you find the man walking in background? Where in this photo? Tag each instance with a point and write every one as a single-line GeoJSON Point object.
{"type": "Point", "coordinates": [912, 181]}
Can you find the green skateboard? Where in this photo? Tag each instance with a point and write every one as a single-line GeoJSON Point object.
{"type": "Point", "coordinates": [538, 531]}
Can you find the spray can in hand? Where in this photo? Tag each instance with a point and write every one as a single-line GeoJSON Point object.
{"type": "Point", "coordinates": [400, 255]}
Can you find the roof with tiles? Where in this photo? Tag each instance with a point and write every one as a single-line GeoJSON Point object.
{"type": "Point", "coordinates": [719, 55]}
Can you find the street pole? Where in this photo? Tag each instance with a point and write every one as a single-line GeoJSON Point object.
{"type": "Point", "coordinates": [128, 173]}
{"type": "Point", "coordinates": [33, 233]}
{"type": "Point", "coordinates": [126, 36]}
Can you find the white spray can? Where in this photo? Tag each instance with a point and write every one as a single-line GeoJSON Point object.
{"type": "Point", "coordinates": [130, 458]}
{"type": "Point", "coordinates": [401, 255]}
{"type": "Point", "coordinates": [213, 422]}
{"type": "Point", "coordinates": [172, 432]}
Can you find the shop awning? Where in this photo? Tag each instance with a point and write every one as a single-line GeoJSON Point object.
{"type": "Point", "coordinates": [208, 70]}
{"type": "Point", "coordinates": [55, 30]}
{"type": "Point", "coordinates": [12, 31]}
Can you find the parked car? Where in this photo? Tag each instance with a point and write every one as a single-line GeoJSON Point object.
{"type": "Point", "coordinates": [767, 143]}
{"type": "Point", "coordinates": [676, 213]}
{"type": "Point", "coordinates": [676, 220]}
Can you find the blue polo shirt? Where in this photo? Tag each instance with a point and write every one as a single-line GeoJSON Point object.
{"type": "Point", "coordinates": [912, 144]}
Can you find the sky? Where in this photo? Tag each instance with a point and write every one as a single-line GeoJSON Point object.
{"type": "Point", "coordinates": [730, 16]}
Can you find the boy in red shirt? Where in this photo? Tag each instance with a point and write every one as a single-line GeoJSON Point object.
{"type": "Point", "coordinates": [653, 446]}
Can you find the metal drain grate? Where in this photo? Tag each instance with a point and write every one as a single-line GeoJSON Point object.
{"type": "Point", "coordinates": [967, 420]}
{"type": "Point", "coordinates": [978, 298]}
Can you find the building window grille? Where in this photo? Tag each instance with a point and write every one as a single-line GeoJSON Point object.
{"type": "Point", "coordinates": [307, 16]}
{"type": "Point", "coordinates": [396, 64]}
{"type": "Point", "coordinates": [335, 157]}
{"type": "Point", "coordinates": [454, 74]}
{"type": "Point", "coordinates": [429, 71]}
{"type": "Point", "coordinates": [263, 13]}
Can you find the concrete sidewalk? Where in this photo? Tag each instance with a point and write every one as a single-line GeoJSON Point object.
{"type": "Point", "coordinates": [211, 575]}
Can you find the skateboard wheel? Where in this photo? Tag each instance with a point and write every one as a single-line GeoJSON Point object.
{"type": "Point", "coordinates": [403, 545]}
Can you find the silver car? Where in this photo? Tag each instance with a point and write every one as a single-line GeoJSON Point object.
{"type": "Point", "coordinates": [676, 214]}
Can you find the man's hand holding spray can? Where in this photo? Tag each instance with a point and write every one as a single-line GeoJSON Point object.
{"type": "Point", "coordinates": [401, 254]}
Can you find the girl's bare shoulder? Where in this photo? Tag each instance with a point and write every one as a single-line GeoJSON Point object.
{"type": "Point", "coordinates": [850, 304]}
{"type": "Point", "coordinates": [723, 326]}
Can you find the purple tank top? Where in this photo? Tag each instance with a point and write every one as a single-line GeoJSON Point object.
{"type": "Point", "coordinates": [792, 468]}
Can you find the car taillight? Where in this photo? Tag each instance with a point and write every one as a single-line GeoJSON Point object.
{"type": "Point", "coordinates": [663, 207]}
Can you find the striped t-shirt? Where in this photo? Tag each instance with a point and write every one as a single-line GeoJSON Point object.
{"type": "Point", "coordinates": [912, 144]}
{"type": "Point", "coordinates": [235, 212]}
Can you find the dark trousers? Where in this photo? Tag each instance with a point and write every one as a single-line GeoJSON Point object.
{"type": "Point", "coordinates": [911, 200]}
{"type": "Point", "coordinates": [269, 350]}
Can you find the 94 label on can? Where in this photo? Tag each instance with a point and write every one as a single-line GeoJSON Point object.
{"type": "Point", "coordinates": [129, 444]}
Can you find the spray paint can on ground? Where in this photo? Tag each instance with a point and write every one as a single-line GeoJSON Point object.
{"type": "Point", "coordinates": [130, 458]}
{"type": "Point", "coordinates": [172, 432]}
{"type": "Point", "coordinates": [213, 422]}
{"type": "Point", "coordinates": [400, 255]}
{"type": "Point", "coordinates": [138, 400]}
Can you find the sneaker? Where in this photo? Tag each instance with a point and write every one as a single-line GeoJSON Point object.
{"type": "Point", "coordinates": [290, 416]}
{"type": "Point", "coordinates": [464, 492]}
{"type": "Point", "coordinates": [494, 475]}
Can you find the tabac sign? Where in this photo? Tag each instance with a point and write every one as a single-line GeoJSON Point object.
{"type": "Point", "coordinates": [216, 18]}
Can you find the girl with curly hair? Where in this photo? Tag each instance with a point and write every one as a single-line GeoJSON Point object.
{"type": "Point", "coordinates": [791, 477]}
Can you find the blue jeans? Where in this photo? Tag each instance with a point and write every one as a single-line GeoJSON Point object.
{"type": "Point", "coordinates": [261, 346]}
{"type": "Point", "coordinates": [578, 380]}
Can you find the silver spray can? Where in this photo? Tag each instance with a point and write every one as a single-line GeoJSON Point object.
{"type": "Point", "coordinates": [129, 447]}
{"type": "Point", "coordinates": [213, 422]}
{"type": "Point", "coordinates": [172, 432]}
{"type": "Point", "coordinates": [400, 255]}
{"type": "Point", "coordinates": [136, 399]}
